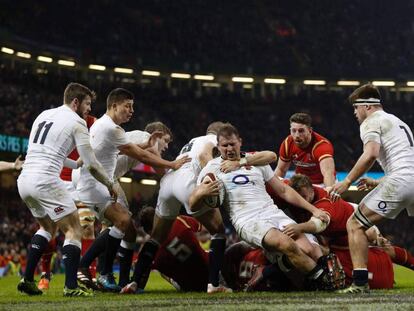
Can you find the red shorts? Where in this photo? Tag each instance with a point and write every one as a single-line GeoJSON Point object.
{"type": "Point", "coordinates": [381, 272]}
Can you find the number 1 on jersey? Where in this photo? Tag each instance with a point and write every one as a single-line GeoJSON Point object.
{"type": "Point", "coordinates": [410, 139]}
{"type": "Point", "coordinates": [39, 129]}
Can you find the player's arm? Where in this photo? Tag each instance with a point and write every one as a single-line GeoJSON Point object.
{"type": "Point", "coordinates": [206, 188]}
{"type": "Point", "coordinates": [72, 164]}
{"type": "Point", "coordinates": [288, 194]}
{"type": "Point", "coordinates": [8, 166]}
{"type": "Point", "coordinates": [282, 168]}
{"type": "Point", "coordinates": [148, 158]}
{"type": "Point", "coordinates": [260, 158]}
{"type": "Point", "coordinates": [89, 159]}
{"type": "Point", "coordinates": [327, 166]}
{"type": "Point", "coordinates": [364, 163]}
{"type": "Point", "coordinates": [294, 230]}
{"type": "Point", "coordinates": [206, 154]}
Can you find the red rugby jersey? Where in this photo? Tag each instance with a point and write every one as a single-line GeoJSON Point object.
{"type": "Point", "coordinates": [307, 160]}
{"type": "Point", "coordinates": [339, 212]}
{"type": "Point", "coordinates": [181, 257]}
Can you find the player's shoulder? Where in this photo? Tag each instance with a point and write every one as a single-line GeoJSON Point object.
{"type": "Point", "coordinates": [212, 166]}
{"type": "Point", "coordinates": [318, 138]}
{"type": "Point", "coordinates": [374, 121]}
{"type": "Point", "coordinates": [137, 136]}
{"type": "Point", "coordinates": [209, 138]}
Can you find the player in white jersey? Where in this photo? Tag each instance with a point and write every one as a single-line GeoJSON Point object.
{"type": "Point", "coordinates": [55, 133]}
{"type": "Point", "coordinates": [252, 211]}
{"type": "Point", "coordinates": [108, 141]}
{"type": "Point", "coordinates": [388, 140]}
{"type": "Point", "coordinates": [155, 139]}
{"type": "Point", "coordinates": [175, 189]}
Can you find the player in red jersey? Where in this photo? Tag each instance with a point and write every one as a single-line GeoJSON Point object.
{"type": "Point", "coordinates": [379, 262]}
{"type": "Point", "coordinates": [242, 263]}
{"type": "Point", "coordinates": [87, 221]}
{"type": "Point", "coordinates": [311, 153]}
{"type": "Point", "coordinates": [180, 258]}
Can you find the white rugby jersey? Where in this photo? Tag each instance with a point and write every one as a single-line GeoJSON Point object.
{"type": "Point", "coordinates": [105, 138]}
{"type": "Point", "coordinates": [124, 162]}
{"type": "Point", "coordinates": [396, 139]}
{"type": "Point", "coordinates": [194, 148]}
{"type": "Point", "coordinates": [245, 190]}
{"type": "Point", "coordinates": [53, 136]}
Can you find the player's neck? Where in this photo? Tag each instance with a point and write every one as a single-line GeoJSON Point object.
{"type": "Point", "coordinates": [112, 115]}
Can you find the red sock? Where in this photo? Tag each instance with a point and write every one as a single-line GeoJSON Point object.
{"type": "Point", "coordinates": [403, 257]}
{"type": "Point", "coordinates": [47, 257]}
{"type": "Point", "coordinates": [86, 243]}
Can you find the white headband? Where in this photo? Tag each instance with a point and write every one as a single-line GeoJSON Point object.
{"type": "Point", "coordinates": [367, 102]}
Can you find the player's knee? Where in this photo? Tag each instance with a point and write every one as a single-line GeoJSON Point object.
{"type": "Point", "coordinates": [123, 222]}
{"type": "Point", "coordinates": [285, 245]}
{"type": "Point", "coordinates": [88, 232]}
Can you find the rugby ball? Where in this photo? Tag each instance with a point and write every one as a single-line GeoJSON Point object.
{"type": "Point", "coordinates": [217, 200]}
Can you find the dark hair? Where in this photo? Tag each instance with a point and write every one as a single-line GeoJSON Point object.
{"type": "Point", "coordinates": [214, 127]}
{"type": "Point", "coordinates": [302, 118]}
{"type": "Point", "coordinates": [227, 130]}
{"type": "Point", "coordinates": [158, 126]}
{"type": "Point", "coordinates": [76, 90]}
{"type": "Point", "coordinates": [117, 96]}
{"type": "Point", "coordinates": [146, 217]}
{"type": "Point", "coordinates": [299, 181]}
{"type": "Point", "coordinates": [365, 91]}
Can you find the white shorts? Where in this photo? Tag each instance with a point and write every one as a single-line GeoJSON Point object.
{"type": "Point", "coordinates": [71, 189]}
{"type": "Point", "coordinates": [97, 199]}
{"type": "Point", "coordinates": [45, 195]}
{"type": "Point", "coordinates": [175, 190]}
{"type": "Point", "coordinates": [254, 230]}
{"type": "Point", "coordinates": [391, 196]}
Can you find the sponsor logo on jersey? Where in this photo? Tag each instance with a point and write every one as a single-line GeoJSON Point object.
{"type": "Point", "coordinates": [58, 210]}
{"type": "Point", "coordinates": [240, 179]}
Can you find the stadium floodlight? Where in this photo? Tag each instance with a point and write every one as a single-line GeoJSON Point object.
{"type": "Point", "coordinates": [150, 73]}
{"type": "Point", "coordinates": [204, 77]}
{"type": "Point", "coordinates": [314, 82]}
{"type": "Point", "coordinates": [44, 59]}
{"type": "Point", "coordinates": [23, 55]}
{"type": "Point", "coordinates": [383, 83]}
{"type": "Point", "coordinates": [126, 180]}
{"type": "Point", "coordinates": [180, 75]}
{"type": "Point", "coordinates": [274, 81]}
{"type": "Point", "coordinates": [242, 79]}
{"type": "Point", "coordinates": [348, 83]}
{"type": "Point", "coordinates": [149, 182]}
{"type": "Point", "coordinates": [123, 70]}
{"type": "Point", "coordinates": [7, 50]}
{"type": "Point", "coordinates": [410, 83]}
{"type": "Point", "coordinates": [211, 84]}
{"type": "Point", "coordinates": [64, 62]}
{"type": "Point", "coordinates": [97, 67]}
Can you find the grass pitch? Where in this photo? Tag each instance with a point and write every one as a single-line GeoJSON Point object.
{"type": "Point", "coordinates": [161, 296]}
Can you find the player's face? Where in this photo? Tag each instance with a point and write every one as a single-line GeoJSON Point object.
{"type": "Point", "coordinates": [85, 107]}
{"type": "Point", "coordinates": [229, 147]}
{"type": "Point", "coordinates": [163, 143]}
{"type": "Point", "coordinates": [124, 110]}
{"type": "Point", "coordinates": [301, 134]}
{"type": "Point", "coordinates": [360, 113]}
{"type": "Point", "coordinates": [307, 193]}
